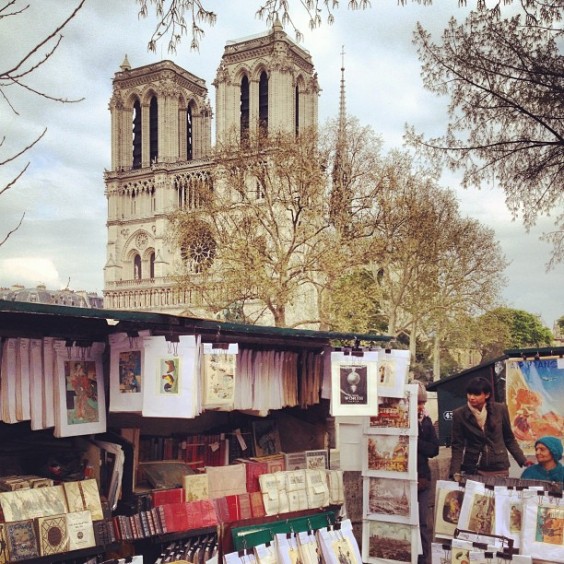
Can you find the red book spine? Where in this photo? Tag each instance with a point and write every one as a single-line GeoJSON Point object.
{"type": "Point", "coordinates": [245, 506]}
{"type": "Point", "coordinates": [257, 504]}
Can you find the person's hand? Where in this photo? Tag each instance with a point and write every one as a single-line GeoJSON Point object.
{"type": "Point", "coordinates": [528, 463]}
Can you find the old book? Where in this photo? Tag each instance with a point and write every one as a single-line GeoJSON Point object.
{"type": "Point", "coordinates": [80, 530]}
{"type": "Point", "coordinates": [83, 495]}
{"type": "Point", "coordinates": [257, 504]}
{"type": "Point", "coordinates": [226, 480]}
{"type": "Point", "coordinates": [104, 533]}
{"type": "Point", "coordinates": [3, 553]}
{"type": "Point", "coordinates": [25, 504]}
{"type": "Point", "coordinates": [165, 497]}
{"type": "Point", "coordinates": [196, 487]}
{"type": "Point", "coordinates": [52, 534]}
{"type": "Point", "coordinates": [254, 469]}
{"type": "Point", "coordinates": [21, 540]}
{"type": "Point", "coordinates": [175, 517]}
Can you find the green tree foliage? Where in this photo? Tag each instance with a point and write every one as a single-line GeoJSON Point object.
{"type": "Point", "coordinates": [504, 78]}
{"type": "Point", "coordinates": [505, 328]}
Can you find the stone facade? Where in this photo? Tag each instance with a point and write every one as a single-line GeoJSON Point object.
{"type": "Point", "coordinates": [161, 124]}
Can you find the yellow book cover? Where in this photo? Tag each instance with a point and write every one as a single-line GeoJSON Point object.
{"type": "Point", "coordinates": [53, 535]}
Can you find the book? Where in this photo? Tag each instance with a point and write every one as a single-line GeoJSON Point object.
{"type": "Point", "coordinates": [196, 487]}
{"type": "Point", "coordinates": [253, 469]}
{"type": "Point", "coordinates": [21, 540]}
{"type": "Point", "coordinates": [83, 495]}
{"type": "Point", "coordinates": [175, 517]}
{"type": "Point", "coordinates": [52, 534]}
{"type": "Point", "coordinates": [201, 513]}
{"type": "Point", "coordinates": [165, 497]}
{"type": "Point", "coordinates": [80, 530]}
{"type": "Point", "coordinates": [104, 533]}
{"type": "Point", "coordinates": [226, 480]}
{"type": "Point", "coordinates": [257, 504]}
{"type": "Point", "coordinates": [26, 504]}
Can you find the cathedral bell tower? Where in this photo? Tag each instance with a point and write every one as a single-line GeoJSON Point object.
{"type": "Point", "coordinates": [264, 83]}
{"type": "Point", "coordinates": [161, 137]}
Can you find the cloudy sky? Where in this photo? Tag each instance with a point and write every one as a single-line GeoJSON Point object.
{"type": "Point", "coordinates": [63, 237]}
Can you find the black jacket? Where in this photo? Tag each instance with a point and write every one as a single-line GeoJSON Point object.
{"type": "Point", "coordinates": [474, 449]}
{"type": "Point", "coordinates": [427, 447]}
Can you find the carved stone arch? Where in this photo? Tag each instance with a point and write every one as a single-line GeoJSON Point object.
{"type": "Point", "coordinates": [148, 93]}
{"type": "Point", "coordinates": [301, 82]}
{"type": "Point", "coordinates": [133, 244]}
{"type": "Point", "coordinates": [132, 97]}
{"type": "Point", "coordinates": [240, 72]}
{"type": "Point", "coordinates": [146, 253]}
{"type": "Point", "coordinates": [258, 68]}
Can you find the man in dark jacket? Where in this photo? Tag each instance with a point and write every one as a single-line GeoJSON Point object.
{"type": "Point", "coordinates": [427, 447]}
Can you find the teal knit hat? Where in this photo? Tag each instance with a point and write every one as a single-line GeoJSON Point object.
{"type": "Point", "coordinates": [553, 444]}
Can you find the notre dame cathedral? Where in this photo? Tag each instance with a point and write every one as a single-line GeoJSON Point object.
{"type": "Point", "coordinates": [161, 123]}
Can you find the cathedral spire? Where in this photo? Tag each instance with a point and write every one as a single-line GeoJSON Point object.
{"type": "Point", "coordinates": [340, 202]}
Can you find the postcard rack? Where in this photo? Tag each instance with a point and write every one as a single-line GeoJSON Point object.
{"type": "Point", "coordinates": [250, 536]}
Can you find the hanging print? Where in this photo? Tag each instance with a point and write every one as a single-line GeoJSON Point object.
{"type": "Point", "coordinates": [535, 399]}
{"type": "Point", "coordinates": [168, 375]}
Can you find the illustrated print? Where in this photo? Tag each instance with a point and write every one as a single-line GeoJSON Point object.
{"type": "Point", "coordinates": [169, 375]}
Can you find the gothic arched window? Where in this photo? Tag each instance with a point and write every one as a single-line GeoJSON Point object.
{"type": "Point", "coordinates": [153, 130]}
{"type": "Point", "coordinates": [263, 103]}
{"type": "Point", "coordinates": [137, 267]}
{"type": "Point", "coordinates": [244, 107]}
{"type": "Point", "coordinates": [137, 144]}
{"type": "Point", "coordinates": [189, 134]}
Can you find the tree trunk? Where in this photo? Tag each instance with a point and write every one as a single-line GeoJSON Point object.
{"type": "Point", "coordinates": [436, 356]}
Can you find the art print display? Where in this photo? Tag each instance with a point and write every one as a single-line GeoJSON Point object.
{"type": "Point", "coordinates": [477, 513]}
{"type": "Point", "coordinates": [392, 456]}
{"type": "Point", "coordinates": [354, 389]}
{"type": "Point", "coordinates": [535, 399]}
{"type": "Point", "coordinates": [386, 542]}
{"type": "Point", "coordinates": [396, 415]}
{"type": "Point", "coordinates": [81, 405]}
{"type": "Point", "coordinates": [338, 545]}
{"type": "Point", "coordinates": [448, 503]}
{"type": "Point", "coordinates": [171, 383]}
{"type": "Point", "coordinates": [393, 370]}
{"type": "Point", "coordinates": [543, 531]}
{"type": "Point", "coordinates": [316, 459]}
{"type": "Point", "coordinates": [219, 367]}
{"type": "Point", "coordinates": [126, 371]}
{"type": "Point", "coordinates": [266, 437]}
{"type": "Point", "coordinates": [390, 499]}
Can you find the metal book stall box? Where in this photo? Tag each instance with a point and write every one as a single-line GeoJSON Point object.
{"type": "Point", "coordinates": [72, 411]}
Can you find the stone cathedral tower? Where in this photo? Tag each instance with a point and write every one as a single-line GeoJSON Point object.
{"type": "Point", "coordinates": [161, 146]}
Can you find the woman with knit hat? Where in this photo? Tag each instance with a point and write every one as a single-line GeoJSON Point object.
{"type": "Point", "coordinates": [548, 451]}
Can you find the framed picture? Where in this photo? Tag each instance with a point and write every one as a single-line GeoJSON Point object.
{"type": "Point", "coordinates": [390, 456]}
{"type": "Point", "coordinates": [266, 437]}
{"type": "Point", "coordinates": [387, 542]}
{"type": "Point", "coordinates": [395, 415]}
{"type": "Point", "coordinates": [354, 389]}
{"type": "Point", "coordinates": [449, 497]}
{"type": "Point", "coordinates": [316, 459]}
{"type": "Point", "coordinates": [393, 370]}
{"type": "Point", "coordinates": [390, 499]}
{"type": "Point", "coordinates": [219, 366]}
{"type": "Point", "coordinates": [126, 372]}
{"type": "Point", "coordinates": [80, 398]}
{"type": "Point", "coordinates": [543, 528]}
{"type": "Point", "coordinates": [171, 382]}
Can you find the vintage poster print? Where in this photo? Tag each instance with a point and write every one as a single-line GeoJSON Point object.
{"type": "Point", "coordinates": [129, 366]}
{"type": "Point", "coordinates": [354, 388]}
{"type": "Point", "coordinates": [482, 513]}
{"type": "Point", "coordinates": [82, 392]}
{"type": "Point", "coordinates": [169, 375]}
{"type": "Point", "coordinates": [392, 373]}
{"type": "Point", "coordinates": [219, 378]}
{"type": "Point", "coordinates": [550, 525]}
{"type": "Point", "coordinates": [343, 551]}
{"type": "Point", "coordinates": [395, 415]}
{"type": "Point", "coordinates": [266, 437]}
{"type": "Point", "coordinates": [448, 504]}
{"type": "Point", "coordinates": [354, 385]}
{"type": "Point", "coordinates": [393, 542]}
{"type": "Point", "coordinates": [390, 456]}
{"type": "Point", "coordinates": [535, 399]}
{"type": "Point", "coordinates": [390, 499]}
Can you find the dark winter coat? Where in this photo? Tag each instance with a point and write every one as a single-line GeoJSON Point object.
{"type": "Point", "coordinates": [474, 449]}
{"type": "Point", "coordinates": [427, 447]}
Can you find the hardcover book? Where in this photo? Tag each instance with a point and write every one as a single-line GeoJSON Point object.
{"type": "Point", "coordinates": [175, 517]}
{"type": "Point", "coordinates": [196, 487]}
{"type": "Point", "coordinates": [84, 495]}
{"type": "Point", "coordinates": [166, 497]}
{"type": "Point", "coordinates": [53, 535]}
{"type": "Point", "coordinates": [80, 530]}
{"type": "Point", "coordinates": [21, 540]}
